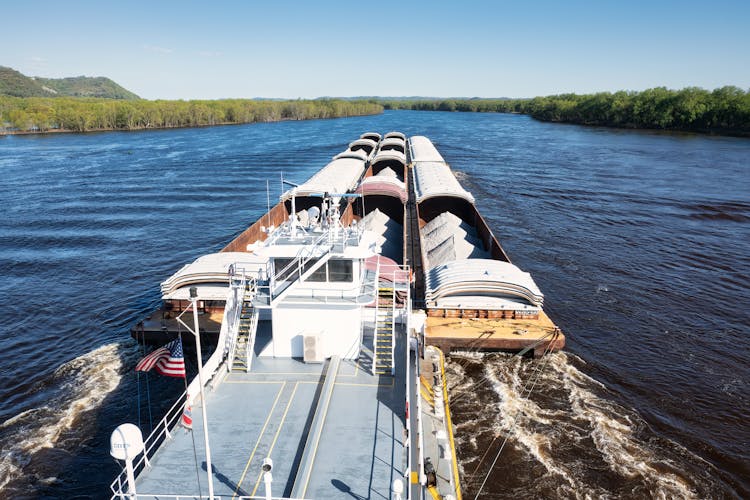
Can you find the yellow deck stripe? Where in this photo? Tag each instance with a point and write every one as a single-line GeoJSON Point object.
{"type": "Point", "coordinates": [278, 431]}
{"type": "Point", "coordinates": [263, 430]}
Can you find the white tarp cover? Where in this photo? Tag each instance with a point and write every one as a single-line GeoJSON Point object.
{"type": "Point", "coordinates": [363, 142]}
{"type": "Point", "coordinates": [422, 149]}
{"type": "Point", "coordinates": [339, 176]}
{"type": "Point", "coordinates": [357, 155]}
{"type": "Point", "coordinates": [475, 278]}
{"type": "Point", "coordinates": [212, 268]}
{"type": "Point", "coordinates": [368, 134]}
{"type": "Point", "coordinates": [385, 183]}
{"type": "Point", "coordinates": [390, 154]}
{"type": "Point", "coordinates": [436, 179]}
{"type": "Point", "coordinates": [395, 134]}
{"type": "Point", "coordinates": [393, 141]}
{"type": "Point", "coordinates": [386, 175]}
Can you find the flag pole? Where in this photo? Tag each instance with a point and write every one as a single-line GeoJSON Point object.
{"type": "Point", "coordinates": [197, 333]}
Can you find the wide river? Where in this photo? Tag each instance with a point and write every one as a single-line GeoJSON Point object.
{"type": "Point", "coordinates": [640, 242]}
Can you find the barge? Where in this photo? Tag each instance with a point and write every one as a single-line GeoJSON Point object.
{"type": "Point", "coordinates": [331, 315]}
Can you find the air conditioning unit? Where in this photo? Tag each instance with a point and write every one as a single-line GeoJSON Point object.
{"type": "Point", "coordinates": [312, 348]}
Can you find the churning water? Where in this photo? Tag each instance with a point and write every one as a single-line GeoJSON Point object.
{"type": "Point", "coordinates": [638, 240]}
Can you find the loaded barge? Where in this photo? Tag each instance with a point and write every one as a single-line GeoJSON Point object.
{"type": "Point", "coordinates": [331, 315]}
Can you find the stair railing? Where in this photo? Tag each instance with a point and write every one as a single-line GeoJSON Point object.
{"type": "Point", "coordinates": [285, 278]}
{"type": "Point", "coordinates": [393, 325]}
{"type": "Point", "coordinates": [377, 309]}
{"type": "Point", "coordinates": [240, 283]}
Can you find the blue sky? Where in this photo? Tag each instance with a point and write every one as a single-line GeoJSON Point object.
{"type": "Point", "coordinates": [183, 50]}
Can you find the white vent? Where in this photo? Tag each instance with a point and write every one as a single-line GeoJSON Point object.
{"type": "Point", "coordinates": [312, 348]}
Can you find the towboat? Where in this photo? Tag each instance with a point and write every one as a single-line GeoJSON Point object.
{"type": "Point", "coordinates": [330, 317]}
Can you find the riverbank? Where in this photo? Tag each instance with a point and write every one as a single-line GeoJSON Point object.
{"type": "Point", "coordinates": [723, 111]}
{"type": "Point", "coordinates": [37, 115]}
{"type": "Point", "coordinates": [4, 133]}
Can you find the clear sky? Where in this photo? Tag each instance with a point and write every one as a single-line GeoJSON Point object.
{"type": "Point", "coordinates": [214, 49]}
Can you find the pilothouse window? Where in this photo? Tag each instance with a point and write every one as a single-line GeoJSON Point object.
{"type": "Point", "coordinates": [333, 271]}
{"type": "Point", "coordinates": [340, 271]}
{"type": "Point", "coordinates": [280, 265]}
{"type": "Point", "coordinates": [319, 276]}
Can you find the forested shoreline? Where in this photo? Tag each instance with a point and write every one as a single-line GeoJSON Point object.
{"type": "Point", "coordinates": [725, 110]}
{"type": "Point", "coordinates": [69, 114]}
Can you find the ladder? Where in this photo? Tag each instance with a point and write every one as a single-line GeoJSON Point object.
{"type": "Point", "coordinates": [384, 340]}
{"type": "Point", "coordinates": [246, 331]}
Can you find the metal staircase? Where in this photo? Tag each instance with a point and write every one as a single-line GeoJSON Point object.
{"type": "Point", "coordinates": [384, 340]}
{"type": "Point", "coordinates": [243, 354]}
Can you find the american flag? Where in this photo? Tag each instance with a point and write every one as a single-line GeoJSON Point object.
{"type": "Point", "coordinates": [167, 360]}
{"type": "Point", "coordinates": [187, 417]}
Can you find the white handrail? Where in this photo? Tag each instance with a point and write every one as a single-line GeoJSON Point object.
{"type": "Point", "coordinates": [234, 316]}
{"type": "Point", "coordinates": [377, 310]}
{"type": "Point", "coordinates": [162, 430]}
{"type": "Point", "coordinates": [168, 422]}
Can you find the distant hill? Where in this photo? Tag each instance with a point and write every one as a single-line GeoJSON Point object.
{"type": "Point", "coordinates": [16, 84]}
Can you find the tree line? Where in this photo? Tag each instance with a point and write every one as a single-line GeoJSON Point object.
{"type": "Point", "coordinates": [41, 114]}
{"type": "Point", "coordinates": [725, 110]}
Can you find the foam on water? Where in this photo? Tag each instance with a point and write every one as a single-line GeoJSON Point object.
{"type": "Point", "coordinates": [554, 427]}
{"type": "Point", "coordinates": [81, 386]}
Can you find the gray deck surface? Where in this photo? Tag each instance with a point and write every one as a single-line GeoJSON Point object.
{"type": "Point", "coordinates": [268, 413]}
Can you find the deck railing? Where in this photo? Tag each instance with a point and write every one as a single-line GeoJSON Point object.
{"type": "Point", "coordinates": [166, 425]}
{"type": "Point", "coordinates": [163, 431]}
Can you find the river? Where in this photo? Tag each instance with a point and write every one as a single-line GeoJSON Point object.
{"type": "Point", "coordinates": [639, 241]}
